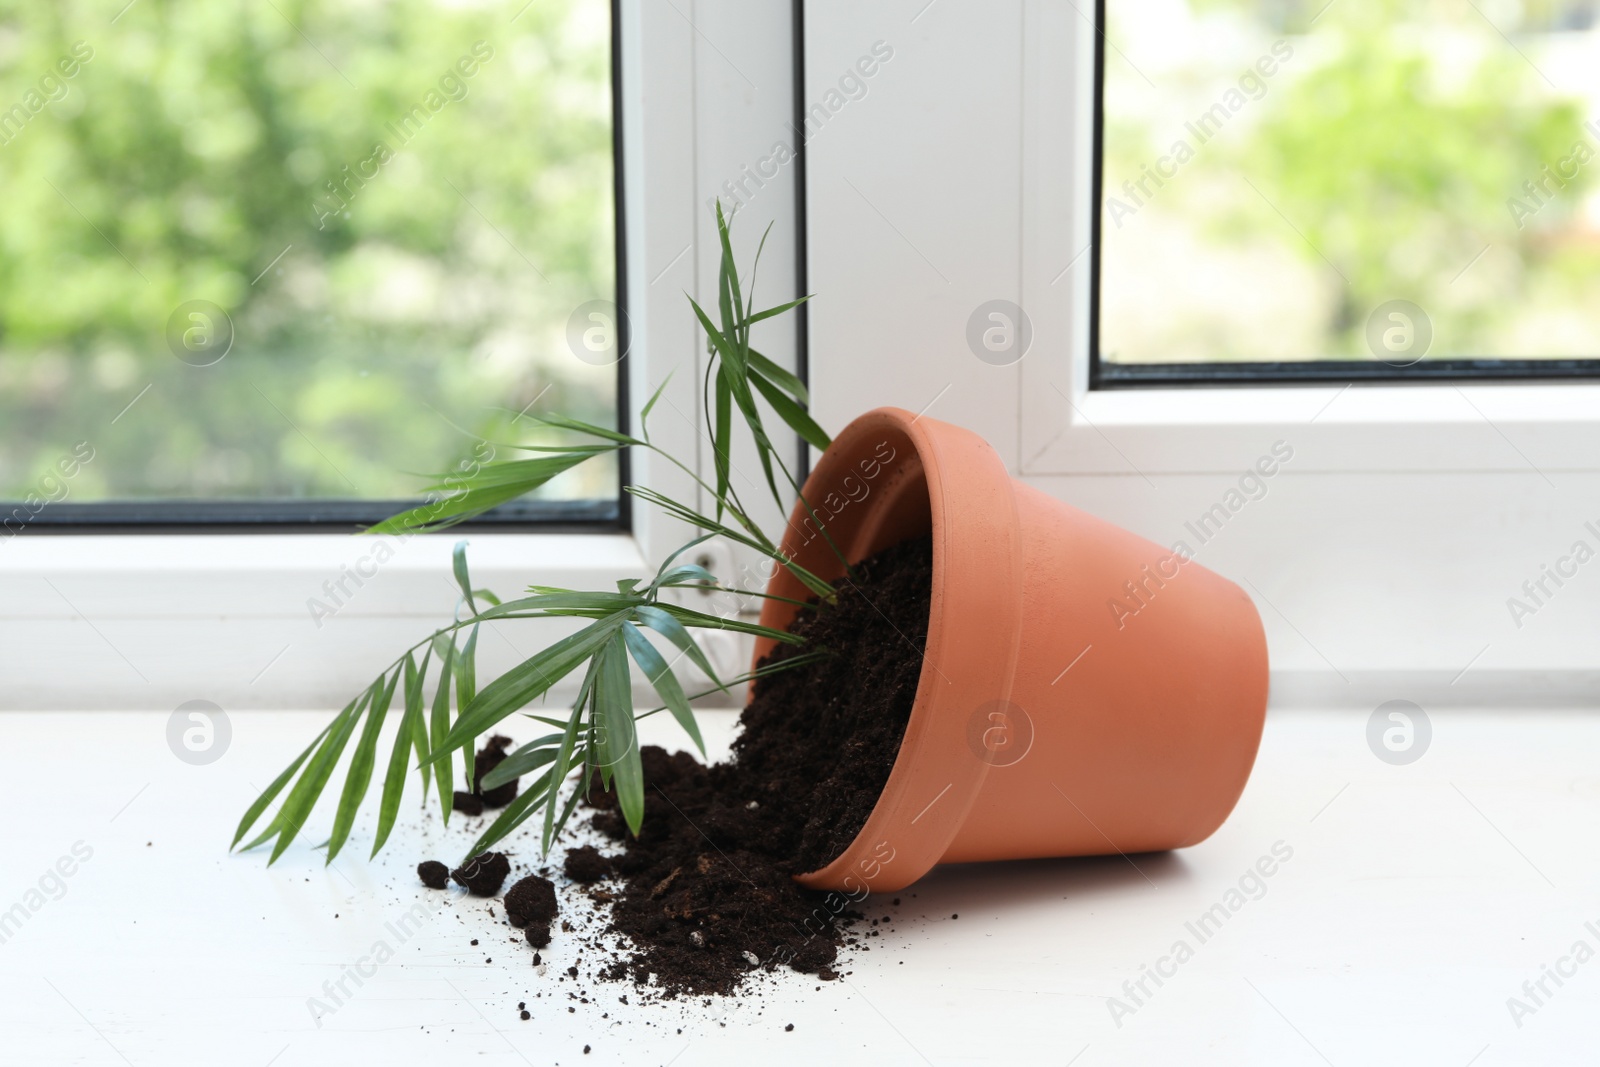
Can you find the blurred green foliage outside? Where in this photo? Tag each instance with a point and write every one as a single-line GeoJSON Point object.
{"type": "Point", "coordinates": [398, 203]}
{"type": "Point", "coordinates": [1396, 151]}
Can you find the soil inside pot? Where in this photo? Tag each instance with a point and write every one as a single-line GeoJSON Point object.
{"type": "Point", "coordinates": [706, 892]}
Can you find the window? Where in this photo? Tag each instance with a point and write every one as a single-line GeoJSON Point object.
{"type": "Point", "coordinates": [271, 262]}
{"type": "Point", "coordinates": [1359, 189]}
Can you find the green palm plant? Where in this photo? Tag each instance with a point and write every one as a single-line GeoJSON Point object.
{"type": "Point", "coordinates": [597, 739]}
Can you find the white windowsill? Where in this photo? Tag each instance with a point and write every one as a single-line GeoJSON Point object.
{"type": "Point", "coordinates": [1417, 900]}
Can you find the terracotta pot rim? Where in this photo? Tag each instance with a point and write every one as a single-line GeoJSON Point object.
{"type": "Point", "coordinates": [977, 577]}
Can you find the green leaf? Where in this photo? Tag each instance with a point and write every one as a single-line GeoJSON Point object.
{"type": "Point", "coordinates": [761, 316]}
{"type": "Point", "coordinates": [778, 376]}
{"type": "Point", "coordinates": [520, 472]}
{"type": "Point", "coordinates": [644, 412]}
{"type": "Point", "coordinates": [548, 449]}
{"type": "Point", "coordinates": [296, 809]}
{"type": "Point", "coordinates": [728, 298]}
{"type": "Point", "coordinates": [688, 574]}
{"type": "Point", "coordinates": [529, 757]}
{"type": "Point", "coordinates": [467, 495]}
{"type": "Point", "coordinates": [458, 563]}
{"type": "Point", "coordinates": [755, 266]}
{"type": "Point", "coordinates": [701, 620]}
{"type": "Point", "coordinates": [786, 664]}
{"type": "Point", "coordinates": [733, 373]}
{"type": "Point", "coordinates": [271, 830]}
{"type": "Point", "coordinates": [441, 730]}
{"type": "Point", "coordinates": [563, 602]}
{"type": "Point", "coordinates": [466, 669]}
{"type": "Point", "coordinates": [564, 422]}
{"type": "Point", "coordinates": [732, 370]}
{"type": "Point", "coordinates": [666, 684]}
{"type": "Point", "coordinates": [670, 628]}
{"type": "Point", "coordinates": [680, 550]}
{"type": "Point", "coordinates": [569, 737]}
{"type": "Point", "coordinates": [260, 803]}
{"type": "Point", "coordinates": [526, 761]}
{"type": "Point", "coordinates": [359, 776]}
{"type": "Point", "coordinates": [791, 413]}
{"type": "Point", "coordinates": [274, 827]}
{"type": "Point", "coordinates": [613, 699]}
{"type": "Point", "coordinates": [419, 723]}
{"type": "Point", "coordinates": [521, 808]}
{"type": "Point", "coordinates": [394, 779]}
{"type": "Point", "coordinates": [283, 818]}
{"type": "Point", "coordinates": [447, 510]}
{"type": "Point", "coordinates": [529, 680]}
{"type": "Point", "coordinates": [731, 346]}
{"type": "Point", "coordinates": [722, 441]}
{"type": "Point", "coordinates": [672, 507]}
{"type": "Point", "coordinates": [566, 809]}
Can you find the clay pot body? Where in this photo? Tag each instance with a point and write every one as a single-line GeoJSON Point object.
{"type": "Point", "coordinates": [1083, 691]}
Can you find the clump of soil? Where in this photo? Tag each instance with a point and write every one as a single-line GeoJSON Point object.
{"type": "Point", "coordinates": [483, 874]}
{"type": "Point", "coordinates": [434, 874]}
{"type": "Point", "coordinates": [586, 865]}
{"type": "Point", "coordinates": [488, 758]}
{"type": "Point", "coordinates": [531, 899]}
{"type": "Point", "coordinates": [611, 824]}
{"type": "Point", "coordinates": [531, 904]}
{"type": "Point", "coordinates": [707, 894]}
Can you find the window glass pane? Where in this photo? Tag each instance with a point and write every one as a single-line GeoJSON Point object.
{"type": "Point", "coordinates": [299, 248]}
{"type": "Point", "coordinates": [1361, 179]}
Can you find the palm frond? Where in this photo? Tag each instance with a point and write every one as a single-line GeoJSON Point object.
{"type": "Point", "coordinates": [359, 776]}
{"type": "Point", "coordinates": [598, 738]}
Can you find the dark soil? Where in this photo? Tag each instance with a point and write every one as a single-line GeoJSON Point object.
{"type": "Point", "coordinates": [531, 900]}
{"type": "Point", "coordinates": [586, 865]}
{"type": "Point", "coordinates": [434, 874]}
{"type": "Point", "coordinates": [611, 824]}
{"type": "Point", "coordinates": [829, 732]}
{"type": "Point", "coordinates": [487, 759]}
{"type": "Point", "coordinates": [483, 874]}
{"type": "Point", "coordinates": [707, 894]}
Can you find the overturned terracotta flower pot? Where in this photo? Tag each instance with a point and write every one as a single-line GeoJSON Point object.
{"type": "Point", "coordinates": [1083, 691]}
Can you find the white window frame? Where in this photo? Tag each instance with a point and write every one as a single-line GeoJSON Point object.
{"type": "Point", "coordinates": [1383, 557]}
{"type": "Point", "coordinates": [153, 620]}
{"type": "Point", "coordinates": [1372, 427]}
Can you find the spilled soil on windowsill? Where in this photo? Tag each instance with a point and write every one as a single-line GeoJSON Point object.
{"type": "Point", "coordinates": [704, 896]}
